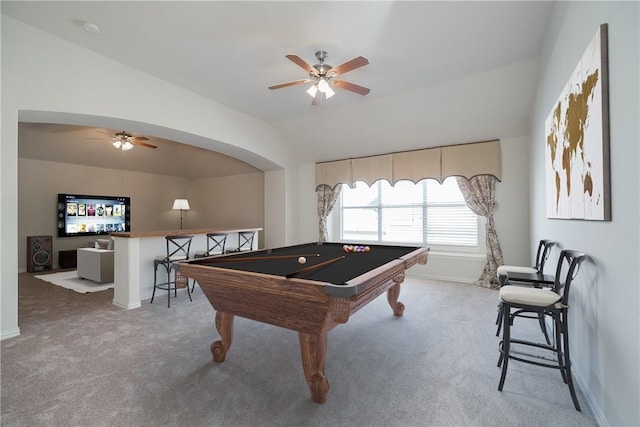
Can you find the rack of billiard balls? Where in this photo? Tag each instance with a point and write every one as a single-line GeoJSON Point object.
{"type": "Point", "coordinates": [356, 248]}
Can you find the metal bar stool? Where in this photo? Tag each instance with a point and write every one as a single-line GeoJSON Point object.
{"type": "Point", "coordinates": [245, 241]}
{"type": "Point", "coordinates": [216, 243]}
{"type": "Point", "coordinates": [518, 301]}
{"type": "Point", "coordinates": [177, 250]}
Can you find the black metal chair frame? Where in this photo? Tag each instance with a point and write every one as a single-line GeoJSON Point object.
{"type": "Point", "coordinates": [245, 241]}
{"type": "Point", "coordinates": [216, 243]}
{"type": "Point", "coordinates": [542, 255]}
{"type": "Point", "coordinates": [178, 247]}
{"type": "Point", "coordinates": [569, 260]}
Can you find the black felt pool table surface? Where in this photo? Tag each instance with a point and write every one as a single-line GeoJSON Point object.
{"type": "Point", "coordinates": [341, 271]}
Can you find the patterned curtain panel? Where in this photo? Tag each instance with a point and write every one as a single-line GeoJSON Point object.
{"type": "Point", "coordinates": [480, 194]}
{"type": "Point", "coordinates": [327, 198]}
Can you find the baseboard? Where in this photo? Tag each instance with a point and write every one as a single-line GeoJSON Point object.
{"type": "Point", "coordinates": [442, 278]}
{"type": "Point", "coordinates": [126, 305]}
{"type": "Point", "coordinates": [9, 334]}
{"type": "Point", "coordinates": [579, 382]}
{"type": "Point", "coordinates": [462, 267]}
{"type": "Point", "coordinates": [592, 403]}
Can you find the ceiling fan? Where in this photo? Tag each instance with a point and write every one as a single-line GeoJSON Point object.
{"type": "Point", "coordinates": [324, 76]}
{"type": "Point", "coordinates": [125, 141]}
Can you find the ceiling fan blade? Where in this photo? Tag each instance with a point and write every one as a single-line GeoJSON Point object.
{"type": "Point", "coordinates": [351, 87]}
{"type": "Point", "coordinates": [145, 144]}
{"type": "Point", "coordinates": [140, 138]}
{"type": "Point", "coordinates": [302, 63]}
{"type": "Point", "coordinates": [297, 82]}
{"type": "Point", "coordinates": [358, 62]}
{"type": "Point", "coordinates": [106, 133]}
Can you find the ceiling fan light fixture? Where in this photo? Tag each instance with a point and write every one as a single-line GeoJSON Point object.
{"type": "Point", "coordinates": [122, 144]}
{"type": "Point", "coordinates": [328, 92]}
{"type": "Point", "coordinates": [323, 76]}
{"type": "Point", "coordinates": [313, 90]}
{"type": "Point", "coordinates": [323, 85]}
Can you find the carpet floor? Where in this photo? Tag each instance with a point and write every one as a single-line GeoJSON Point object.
{"type": "Point", "coordinates": [81, 361]}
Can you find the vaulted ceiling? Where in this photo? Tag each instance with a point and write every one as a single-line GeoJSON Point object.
{"type": "Point", "coordinates": [231, 51]}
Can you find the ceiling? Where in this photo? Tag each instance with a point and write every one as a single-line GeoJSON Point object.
{"type": "Point", "coordinates": [89, 146]}
{"type": "Point", "coordinates": [232, 51]}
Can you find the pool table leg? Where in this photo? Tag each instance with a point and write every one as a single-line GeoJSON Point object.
{"type": "Point", "coordinates": [224, 325]}
{"type": "Point", "coordinates": [392, 296]}
{"type": "Point", "coordinates": [314, 349]}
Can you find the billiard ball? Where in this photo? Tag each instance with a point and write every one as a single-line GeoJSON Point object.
{"type": "Point", "coordinates": [302, 260]}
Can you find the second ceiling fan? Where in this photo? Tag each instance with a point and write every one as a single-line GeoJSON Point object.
{"type": "Point", "coordinates": [125, 141]}
{"type": "Point", "coordinates": [324, 76]}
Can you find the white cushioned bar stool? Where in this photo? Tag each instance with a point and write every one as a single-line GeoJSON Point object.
{"type": "Point", "coordinates": [178, 248]}
{"type": "Point", "coordinates": [544, 249]}
{"type": "Point", "coordinates": [503, 273]}
{"type": "Point", "coordinates": [518, 301]}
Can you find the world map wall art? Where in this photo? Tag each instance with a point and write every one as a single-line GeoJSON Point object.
{"type": "Point", "coordinates": [577, 140]}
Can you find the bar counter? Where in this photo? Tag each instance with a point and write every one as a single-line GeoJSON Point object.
{"type": "Point", "coordinates": [135, 252]}
{"type": "Point", "coordinates": [162, 233]}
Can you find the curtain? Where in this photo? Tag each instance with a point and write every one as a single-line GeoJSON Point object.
{"type": "Point", "coordinates": [480, 195]}
{"type": "Point", "coordinates": [327, 198]}
{"type": "Point", "coordinates": [468, 160]}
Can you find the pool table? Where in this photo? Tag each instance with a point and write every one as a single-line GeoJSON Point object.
{"type": "Point", "coordinates": [273, 286]}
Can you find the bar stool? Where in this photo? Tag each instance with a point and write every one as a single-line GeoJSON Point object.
{"type": "Point", "coordinates": [177, 250]}
{"type": "Point", "coordinates": [541, 302]}
{"type": "Point", "coordinates": [216, 243]}
{"type": "Point", "coordinates": [245, 241]}
{"type": "Point", "coordinates": [544, 249]}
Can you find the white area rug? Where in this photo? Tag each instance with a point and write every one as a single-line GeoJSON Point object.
{"type": "Point", "coordinates": [70, 280]}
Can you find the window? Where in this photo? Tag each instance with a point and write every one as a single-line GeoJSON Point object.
{"type": "Point", "coordinates": [426, 213]}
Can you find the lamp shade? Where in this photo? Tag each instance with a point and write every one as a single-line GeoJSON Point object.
{"type": "Point", "coordinates": [182, 204]}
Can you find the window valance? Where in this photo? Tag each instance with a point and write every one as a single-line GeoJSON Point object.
{"type": "Point", "coordinates": [467, 160]}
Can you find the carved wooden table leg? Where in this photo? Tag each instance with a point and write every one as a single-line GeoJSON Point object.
{"type": "Point", "coordinates": [393, 293]}
{"type": "Point", "coordinates": [314, 350]}
{"type": "Point", "coordinates": [224, 325]}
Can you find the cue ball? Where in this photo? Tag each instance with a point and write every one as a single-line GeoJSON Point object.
{"type": "Point", "coordinates": [302, 260]}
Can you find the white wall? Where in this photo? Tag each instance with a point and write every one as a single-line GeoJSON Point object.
{"type": "Point", "coordinates": [605, 304]}
{"type": "Point", "coordinates": [42, 74]}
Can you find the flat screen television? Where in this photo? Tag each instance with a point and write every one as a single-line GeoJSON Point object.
{"type": "Point", "coordinates": [81, 215]}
